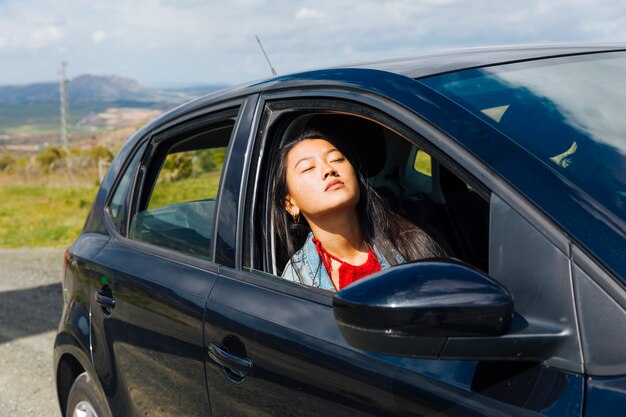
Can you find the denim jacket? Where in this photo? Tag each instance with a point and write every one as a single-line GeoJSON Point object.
{"type": "Point", "coordinates": [306, 267]}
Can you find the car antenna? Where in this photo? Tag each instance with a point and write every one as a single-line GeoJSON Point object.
{"type": "Point", "coordinates": [268, 60]}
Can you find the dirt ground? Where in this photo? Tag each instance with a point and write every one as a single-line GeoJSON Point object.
{"type": "Point", "coordinates": [30, 309]}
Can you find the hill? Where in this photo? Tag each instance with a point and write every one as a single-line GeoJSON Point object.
{"type": "Point", "coordinates": [98, 88]}
{"type": "Point", "coordinates": [29, 114]}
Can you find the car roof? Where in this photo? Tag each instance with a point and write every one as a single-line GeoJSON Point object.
{"type": "Point", "coordinates": [417, 66]}
{"type": "Point", "coordinates": [432, 63]}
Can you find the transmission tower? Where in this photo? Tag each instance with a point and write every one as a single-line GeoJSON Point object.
{"type": "Point", "coordinates": [64, 106]}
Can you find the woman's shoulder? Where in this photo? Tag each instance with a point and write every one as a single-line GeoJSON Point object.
{"type": "Point", "coordinates": [305, 267]}
{"type": "Point", "coordinates": [295, 267]}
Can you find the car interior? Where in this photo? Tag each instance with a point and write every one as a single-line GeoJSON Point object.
{"type": "Point", "coordinates": [416, 186]}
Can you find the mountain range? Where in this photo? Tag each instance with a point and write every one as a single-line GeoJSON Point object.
{"type": "Point", "coordinates": [99, 88]}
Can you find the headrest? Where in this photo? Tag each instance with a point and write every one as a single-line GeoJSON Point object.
{"type": "Point", "coordinates": [362, 138]}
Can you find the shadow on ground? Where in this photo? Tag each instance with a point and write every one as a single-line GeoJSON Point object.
{"type": "Point", "coordinates": [30, 311]}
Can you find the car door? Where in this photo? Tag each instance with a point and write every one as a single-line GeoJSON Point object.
{"type": "Point", "coordinates": [155, 274]}
{"type": "Point", "coordinates": [275, 347]}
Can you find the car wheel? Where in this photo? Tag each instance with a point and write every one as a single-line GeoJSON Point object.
{"type": "Point", "coordinates": [85, 399]}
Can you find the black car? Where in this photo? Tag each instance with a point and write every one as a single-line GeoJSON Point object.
{"type": "Point", "coordinates": [513, 159]}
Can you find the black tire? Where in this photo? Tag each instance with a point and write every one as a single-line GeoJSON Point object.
{"type": "Point", "coordinates": [85, 399]}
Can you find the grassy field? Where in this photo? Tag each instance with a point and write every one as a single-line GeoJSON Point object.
{"type": "Point", "coordinates": [48, 216]}
{"type": "Point", "coordinates": [37, 215]}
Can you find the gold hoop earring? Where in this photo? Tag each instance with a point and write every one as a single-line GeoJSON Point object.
{"type": "Point", "coordinates": [296, 217]}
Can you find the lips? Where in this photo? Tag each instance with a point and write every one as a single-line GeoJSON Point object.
{"type": "Point", "coordinates": [333, 185]}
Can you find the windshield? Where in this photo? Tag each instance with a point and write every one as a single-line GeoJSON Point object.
{"type": "Point", "coordinates": [569, 112]}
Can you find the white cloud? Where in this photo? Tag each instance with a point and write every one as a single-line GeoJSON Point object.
{"type": "Point", "coordinates": [306, 13]}
{"type": "Point", "coordinates": [44, 37]}
{"type": "Point", "coordinates": [98, 36]}
{"type": "Point", "coordinates": [198, 40]}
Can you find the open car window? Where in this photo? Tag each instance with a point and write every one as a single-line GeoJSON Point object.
{"type": "Point", "coordinates": [418, 186]}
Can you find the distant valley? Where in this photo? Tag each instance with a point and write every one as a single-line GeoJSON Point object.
{"type": "Point", "coordinates": [30, 113]}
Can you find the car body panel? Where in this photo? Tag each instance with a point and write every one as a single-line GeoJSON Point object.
{"type": "Point", "coordinates": [295, 346]}
{"type": "Point", "coordinates": [148, 350]}
{"type": "Point", "coordinates": [605, 397]}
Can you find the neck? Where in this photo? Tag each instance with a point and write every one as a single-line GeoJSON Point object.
{"type": "Point", "coordinates": [340, 234]}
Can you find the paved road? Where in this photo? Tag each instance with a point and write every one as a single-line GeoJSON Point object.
{"type": "Point", "coordinates": [30, 309]}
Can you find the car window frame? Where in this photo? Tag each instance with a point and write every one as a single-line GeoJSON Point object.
{"type": "Point", "coordinates": [201, 119]}
{"type": "Point", "coordinates": [121, 224]}
{"type": "Point", "coordinates": [273, 105]}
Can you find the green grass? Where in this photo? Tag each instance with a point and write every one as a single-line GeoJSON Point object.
{"type": "Point", "coordinates": [189, 189]}
{"type": "Point", "coordinates": [38, 216]}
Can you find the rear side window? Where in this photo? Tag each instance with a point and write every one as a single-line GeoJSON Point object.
{"type": "Point", "coordinates": [187, 176]}
{"type": "Point", "coordinates": [178, 212]}
{"type": "Point", "coordinates": [119, 204]}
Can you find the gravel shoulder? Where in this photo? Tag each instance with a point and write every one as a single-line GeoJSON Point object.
{"type": "Point", "coordinates": [30, 310]}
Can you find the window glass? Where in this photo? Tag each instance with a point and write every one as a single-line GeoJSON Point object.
{"type": "Point", "coordinates": [422, 163]}
{"type": "Point", "coordinates": [566, 111]}
{"type": "Point", "coordinates": [188, 176]}
{"type": "Point", "coordinates": [180, 212]}
{"type": "Point", "coordinates": [120, 201]}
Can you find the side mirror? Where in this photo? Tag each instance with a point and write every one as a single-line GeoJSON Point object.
{"type": "Point", "coordinates": [412, 309]}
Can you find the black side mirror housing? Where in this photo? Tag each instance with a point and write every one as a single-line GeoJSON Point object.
{"type": "Point", "coordinates": [412, 309]}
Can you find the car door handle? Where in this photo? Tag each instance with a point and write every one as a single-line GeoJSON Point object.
{"type": "Point", "coordinates": [237, 365]}
{"type": "Point", "coordinates": [105, 300]}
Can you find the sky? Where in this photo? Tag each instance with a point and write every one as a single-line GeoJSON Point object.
{"type": "Point", "coordinates": [164, 43]}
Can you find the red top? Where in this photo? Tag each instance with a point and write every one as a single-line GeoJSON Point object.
{"type": "Point", "coordinates": [348, 273]}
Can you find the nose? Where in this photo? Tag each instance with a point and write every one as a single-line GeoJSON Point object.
{"type": "Point", "coordinates": [329, 170]}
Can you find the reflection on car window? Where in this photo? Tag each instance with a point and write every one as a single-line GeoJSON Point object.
{"type": "Point", "coordinates": [119, 203]}
{"type": "Point", "coordinates": [181, 210]}
{"type": "Point", "coordinates": [551, 109]}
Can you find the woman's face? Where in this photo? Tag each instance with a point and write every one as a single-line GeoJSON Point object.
{"type": "Point", "coordinates": [320, 180]}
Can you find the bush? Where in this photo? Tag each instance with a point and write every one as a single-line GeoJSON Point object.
{"type": "Point", "coordinates": [6, 162]}
{"type": "Point", "coordinates": [50, 158]}
{"type": "Point", "coordinates": [178, 166]}
{"type": "Point", "coordinates": [211, 159]}
{"type": "Point", "coordinates": [100, 153]}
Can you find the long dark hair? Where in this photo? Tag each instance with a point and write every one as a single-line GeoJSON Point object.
{"type": "Point", "coordinates": [388, 231]}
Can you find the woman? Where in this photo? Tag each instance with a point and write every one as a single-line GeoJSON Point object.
{"type": "Point", "coordinates": [343, 229]}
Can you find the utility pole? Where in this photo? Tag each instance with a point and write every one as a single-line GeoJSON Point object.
{"type": "Point", "coordinates": [64, 106]}
{"type": "Point", "coordinates": [64, 116]}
